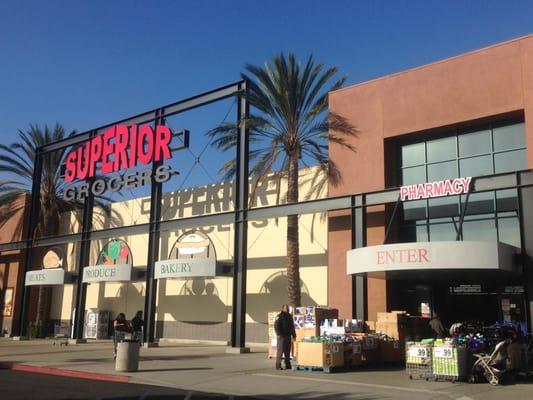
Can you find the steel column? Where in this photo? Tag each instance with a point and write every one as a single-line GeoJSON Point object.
{"type": "Point", "coordinates": [525, 212]}
{"type": "Point", "coordinates": [238, 323]}
{"type": "Point", "coordinates": [32, 221]}
{"type": "Point", "coordinates": [359, 281]}
{"type": "Point", "coordinates": [153, 248]}
{"type": "Point", "coordinates": [83, 261]}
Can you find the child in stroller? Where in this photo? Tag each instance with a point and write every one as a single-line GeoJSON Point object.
{"type": "Point", "coordinates": [491, 366]}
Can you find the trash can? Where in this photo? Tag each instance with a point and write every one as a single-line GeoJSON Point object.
{"type": "Point", "coordinates": [127, 355]}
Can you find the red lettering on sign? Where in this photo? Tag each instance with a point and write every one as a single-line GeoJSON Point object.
{"type": "Point", "coordinates": [117, 148]}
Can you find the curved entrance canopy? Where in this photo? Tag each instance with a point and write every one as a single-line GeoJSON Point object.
{"type": "Point", "coordinates": [425, 256]}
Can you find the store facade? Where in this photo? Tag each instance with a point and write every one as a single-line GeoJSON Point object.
{"type": "Point", "coordinates": [450, 144]}
{"type": "Point", "coordinates": [433, 214]}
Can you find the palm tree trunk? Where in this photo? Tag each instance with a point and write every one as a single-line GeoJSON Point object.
{"type": "Point", "coordinates": [293, 245]}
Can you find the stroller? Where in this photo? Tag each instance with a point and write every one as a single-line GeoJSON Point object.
{"type": "Point", "coordinates": [491, 366]}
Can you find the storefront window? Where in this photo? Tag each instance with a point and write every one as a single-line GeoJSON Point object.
{"type": "Point", "coordinates": [474, 143]}
{"type": "Point", "coordinates": [509, 137]}
{"type": "Point", "coordinates": [510, 161]}
{"type": "Point", "coordinates": [442, 149]}
{"type": "Point", "coordinates": [413, 154]}
{"type": "Point", "coordinates": [476, 166]}
{"type": "Point", "coordinates": [488, 216]}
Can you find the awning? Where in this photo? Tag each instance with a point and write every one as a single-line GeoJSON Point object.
{"type": "Point", "coordinates": [427, 256]}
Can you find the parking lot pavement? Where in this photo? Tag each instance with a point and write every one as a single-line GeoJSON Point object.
{"type": "Point", "coordinates": [209, 369]}
{"type": "Point", "coordinates": [24, 385]}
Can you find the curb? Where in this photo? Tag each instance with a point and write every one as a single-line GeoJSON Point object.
{"type": "Point", "coordinates": [64, 372]}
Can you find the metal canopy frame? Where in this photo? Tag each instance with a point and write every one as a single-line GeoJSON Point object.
{"type": "Point", "coordinates": [356, 204]}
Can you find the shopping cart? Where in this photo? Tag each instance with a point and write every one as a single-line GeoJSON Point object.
{"type": "Point", "coordinates": [418, 360]}
{"type": "Point", "coordinates": [450, 362]}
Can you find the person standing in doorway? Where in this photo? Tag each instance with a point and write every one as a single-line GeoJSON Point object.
{"type": "Point", "coordinates": [436, 327]}
{"type": "Point", "coordinates": [284, 327]}
{"type": "Point", "coordinates": [137, 327]}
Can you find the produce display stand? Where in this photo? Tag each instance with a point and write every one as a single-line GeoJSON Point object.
{"type": "Point", "coordinates": [418, 357]}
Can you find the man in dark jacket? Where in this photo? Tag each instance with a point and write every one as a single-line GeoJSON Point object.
{"type": "Point", "coordinates": [284, 327]}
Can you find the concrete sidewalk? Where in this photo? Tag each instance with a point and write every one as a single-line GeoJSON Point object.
{"type": "Point", "coordinates": [210, 369]}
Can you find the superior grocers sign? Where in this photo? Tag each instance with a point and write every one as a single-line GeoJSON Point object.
{"type": "Point", "coordinates": [118, 148]}
{"type": "Point", "coordinates": [448, 187]}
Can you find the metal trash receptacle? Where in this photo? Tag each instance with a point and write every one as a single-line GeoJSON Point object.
{"type": "Point", "coordinates": [127, 355]}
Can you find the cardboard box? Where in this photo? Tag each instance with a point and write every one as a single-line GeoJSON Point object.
{"type": "Point", "coordinates": [371, 326]}
{"type": "Point", "coordinates": [321, 355]}
{"type": "Point", "coordinates": [357, 354]}
{"type": "Point", "coordinates": [392, 351]}
{"type": "Point", "coordinates": [304, 333]}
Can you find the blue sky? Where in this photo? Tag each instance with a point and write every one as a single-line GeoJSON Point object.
{"type": "Point", "coordinates": [85, 64]}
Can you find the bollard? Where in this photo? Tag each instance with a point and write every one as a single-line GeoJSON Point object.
{"type": "Point", "coordinates": [127, 356]}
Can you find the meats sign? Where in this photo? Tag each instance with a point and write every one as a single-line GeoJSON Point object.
{"type": "Point", "coordinates": [448, 187]}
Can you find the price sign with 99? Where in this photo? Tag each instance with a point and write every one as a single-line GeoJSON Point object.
{"type": "Point", "coordinates": [443, 352]}
{"type": "Point", "coordinates": [417, 351]}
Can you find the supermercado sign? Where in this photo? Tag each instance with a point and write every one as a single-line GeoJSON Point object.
{"type": "Point", "coordinates": [185, 268]}
{"type": "Point", "coordinates": [107, 273]}
{"type": "Point", "coordinates": [431, 255]}
{"type": "Point", "coordinates": [119, 147]}
{"type": "Point", "coordinates": [448, 187]}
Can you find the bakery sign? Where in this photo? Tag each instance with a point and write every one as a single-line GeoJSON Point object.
{"type": "Point", "coordinates": [193, 255]}
{"type": "Point", "coordinates": [448, 187]}
{"type": "Point", "coordinates": [99, 161]}
{"type": "Point", "coordinates": [51, 273]}
{"type": "Point", "coordinates": [114, 264]}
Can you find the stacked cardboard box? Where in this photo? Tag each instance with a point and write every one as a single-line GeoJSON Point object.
{"type": "Point", "coordinates": [341, 326]}
{"type": "Point", "coordinates": [321, 355]}
{"type": "Point", "coordinates": [307, 321]}
{"type": "Point", "coordinates": [391, 351]}
{"type": "Point", "coordinates": [395, 324]}
{"type": "Point", "coordinates": [357, 354]}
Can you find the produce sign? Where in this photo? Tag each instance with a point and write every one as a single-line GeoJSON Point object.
{"type": "Point", "coordinates": [435, 189]}
{"type": "Point", "coordinates": [114, 264]}
{"type": "Point", "coordinates": [118, 148]}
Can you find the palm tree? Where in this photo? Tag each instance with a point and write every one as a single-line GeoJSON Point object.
{"type": "Point", "coordinates": [16, 161]}
{"type": "Point", "coordinates": [288, 127]}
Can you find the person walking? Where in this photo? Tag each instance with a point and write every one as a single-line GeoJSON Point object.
{"type": "Point", "coordinates": [120, 327]}
{"type": "Point", "coordinates": [284, 327]}
{"type": "Point", "coordinates": [137, 327]}
{"type": "Point", "coordinates": [436, 326]}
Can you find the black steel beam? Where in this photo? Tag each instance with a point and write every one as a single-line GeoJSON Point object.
{"type": "Point", "coordinates": [149, 116]}
{"type": "Point", "coordinates": [304, 207]}
{"type": "Point", "coordinates": [83, 261]}
{"type": "Point", "coordinates": [153, 250]}
{"type": "Point", "coordinates": [359, 281]}
{"type": "Point", "coordinates": [13, 246]}
{"type": "Point", "coordinates": [32, 221]}
{"type": "Point", "coordinates": [238, 325]}
{"type": "Point", "coordinates": [525, 212]}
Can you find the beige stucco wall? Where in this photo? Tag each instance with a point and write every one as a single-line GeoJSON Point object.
{"type": "Point", "coordinates": [189, 300]}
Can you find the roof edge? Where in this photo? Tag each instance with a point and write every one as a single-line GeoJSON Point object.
{"type": "Point", "coordinates": [447, 59]}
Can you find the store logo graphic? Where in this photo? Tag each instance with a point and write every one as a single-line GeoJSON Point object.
{"type": "Point", "coordinates": [118, 148]}
{"type": "Point", "coordinates": [51, 273]}
{"type": "Point", "coordinates": [193, 255]}
{"type": "Point", "coordinates": [114, 264]}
